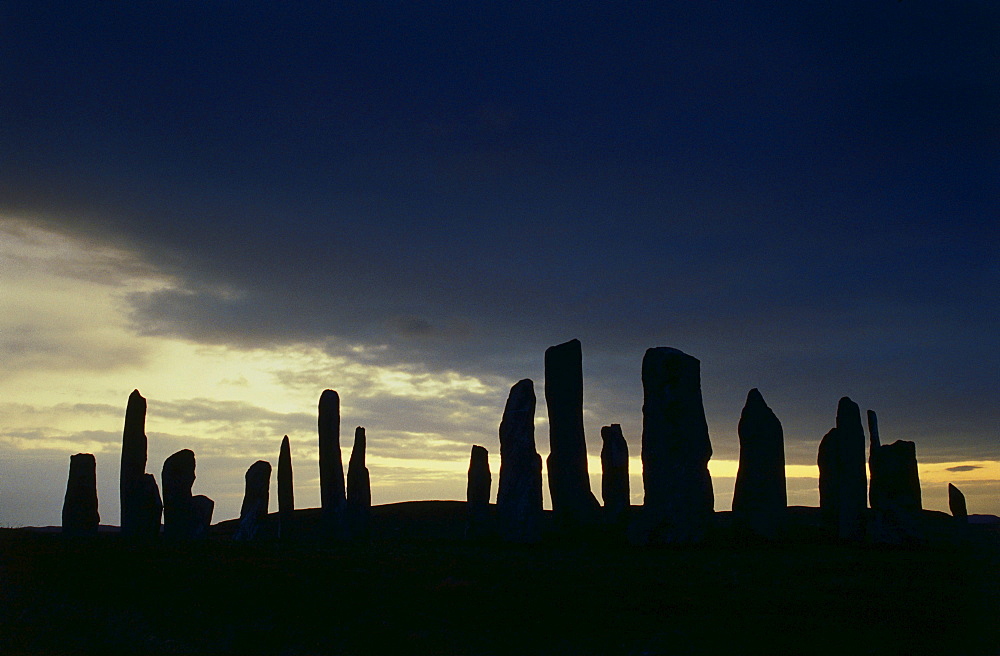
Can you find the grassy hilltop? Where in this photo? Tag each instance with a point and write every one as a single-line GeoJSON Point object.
{"type": "Point", "coordinates": [418, 588]}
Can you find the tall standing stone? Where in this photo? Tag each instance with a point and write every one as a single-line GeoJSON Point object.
{"type": "Point", "coordinates": [956, 504]}
{"type": "Point", "coordinates": [759, 500]}
{"type": "Point", "coordinates": [519, 494]}
{"type": "Point", "coordinates": [477, 493]}
{"type": "Point", "coordinates": [359, 487]}
{"type": "Point", "coordinates": [286, 494]}
{"type": "Point", "coordinates": [614, 474]}
{"type": "Point", "coordinates": [253, 512]}
{"type": "Point", "coordinates": [185, 516]}
{"type": "Point", "coordinates": [679, 501]}
{"type": "Point", "coordinates": [140, 497]}
{"type": "Point", "coordinates": [895, 493]}
{"type": "Point", "coordinates": [573, 504]}
{"type": "Point", "coordinates": [79, 511]}
{"type": "Point", "coordinates": [333, 498]}
{"type": "Point", "coordinates": [842, 480]}
{"type": "Point", "coordinates": [874, 442]}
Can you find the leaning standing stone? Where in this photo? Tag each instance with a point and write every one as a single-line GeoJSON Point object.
{"type": "Point", "coordinates": [842, 480]}
{"type": "Point", "coordinates": [79, 512]}
{"type": "Point", "coordinates": [359, 487]}
{"type": "Point", "coordinates": [679, 502]}
{"type": "Point", "coordinates": [286, 494]}
{"type": "Point", "coordinates": [759, 498]}
{"type": "Point", "coordinates": [956, 503]}
{"type": "Point", "coordinates": [477, 493]}
{"type": "Point", "coordinates": [255, 500]}
{"type": "Point", "coordinates": [614, 474]}
{"type": "Point", "coordinates": [519, 494]}
{"type": "Point", "coordinates": [573, 504]}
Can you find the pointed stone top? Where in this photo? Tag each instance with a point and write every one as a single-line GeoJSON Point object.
{"type": "Point", "coordinates": [135, 397]}
{"type": "Point", "coordinates": [478, 449]}
{"type": "Point", "coordinates": [754, 396]}
{"type": "Point", "coordinates": [284, 440]}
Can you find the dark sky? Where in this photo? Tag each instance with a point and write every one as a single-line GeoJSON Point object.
{"type": "Point", "coordinates": [803, 195]}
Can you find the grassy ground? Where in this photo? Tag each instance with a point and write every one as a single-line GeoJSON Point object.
{"type": "Point", "coordinates": [423, 592]}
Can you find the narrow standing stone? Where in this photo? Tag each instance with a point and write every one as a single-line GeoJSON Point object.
{"type": "Point", "coordinates": [873, 444]}
{"type": "Point", "coordinates": [614, 475]}
{"type": "Point", "coordinates": [519, 494]}
{"type": "Point", "coordinates": [760, 500]}
{"type": "Point", "coordinates": [253, 512]}
{"type": "Point", "coordinates": [573, 504]}
{"type": "Point", "coordinates": [79, 512]}
{"type": "Point", "coordinates": [359, 487]}
{"type": "Point", "coordinates": [679, 501]}
{"type": "Point", "coordinates": [140, 497]}
{"type": "Point", "coordinates": [956, 503]}
{"type": "Point", "coordinates": [185, 517]}
{"type": "Point", "coordinates": [842, 480]}
{"type": "Point", "coordinates": [477, 493]}
{"type": "Point", "coordinates": [286, 495]}
{"type": "Point", "coordinates": [333, 498]}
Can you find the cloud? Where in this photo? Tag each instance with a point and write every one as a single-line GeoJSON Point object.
{"type": "Point", "coordinates": [963, 468]}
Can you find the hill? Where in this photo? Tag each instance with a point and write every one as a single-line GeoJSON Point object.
{"type": "Point", "coordinates": [417, 588]}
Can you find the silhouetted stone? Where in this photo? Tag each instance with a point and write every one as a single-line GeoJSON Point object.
{"type": "Point", "coordinates": [255, 500]}
{"type": "Point", "coordinates": [573, 504]}
{"type": "Point", "coordinates": [759, 498]}
{"type": "Point", "coordinates": [286, 495]}
{"type": "Point", "coordinates": [359, 489]}
{"type": "Point", "coordinates": [203, 508]}
{"type": "Point", "coordinates": [895, 492]}
{"type": "Point", "coordinates": [519, 495]}
{"type": "Point", "coordinates": [182, 519]}
{"type": "Point", "coordinates": [79, 511]}
{"type": "Point", "coordinates": [614, 474]}
{"type": "Point", "coordinates": [477, 493]}
{"type": "Point", "coordinates": [873, 443]}
{"type": "Point", "coordinates": [148, 509]}
{"type": "Point", "coordinates": [140, 497]}
{"type": "Point", "coordinates": [679, 501]}
{"type": "Point", "coordinates": [333, 498]}
{"type": "Point", "coordinates": [842, 480]}
{"type": "Point", "coordinates": [956, 503]}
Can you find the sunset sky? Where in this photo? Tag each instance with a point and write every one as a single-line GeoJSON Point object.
{"type": "Point", "coordinates": [232, 206]}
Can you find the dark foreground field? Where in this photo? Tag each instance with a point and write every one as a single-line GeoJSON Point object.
{"type": "Point", "coordinates": [417, 588]}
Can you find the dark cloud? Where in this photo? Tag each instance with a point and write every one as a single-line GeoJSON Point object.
{"type": "Point", "coordinates": [963, 468]}
{"type": "Point", "coordinates": [793, 193]}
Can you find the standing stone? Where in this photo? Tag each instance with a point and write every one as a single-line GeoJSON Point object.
{"type": "Point", "coordinates": [79, 511]}
{"type": "Point", "coordinates": [873, 444]}
{"type": "Point", "coordinates": [573, 504]}
{"type": "Point", "coordinates": [679, 501]}
{"type": "Point", "coordinates": [614, 475]}
{"type": "Point", "coordinates": [286, 495]}
{"type": "Point", "coordinates": [895, 493]}
{"type": "Point", "coordinates": [477, 494]}
{"type": "Point", "coordinates": [253, 512]}
{"type": "Point", "coordinates": [140, 497]}
{"type": "Point", "coordinates": [759, 499]}
{"type": "Point", "coordinates": [842, 479]}
{"type": "Point", "coordinates": [184, 517]}
{"type": "Point", "coordinates": [333, 499]}
{"type": "Point", "coordinates": [956, 503]}
{"type": "Point", "coordinates": [519, 495]}
{"type": "Point", "coordinates": [359, 487]}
